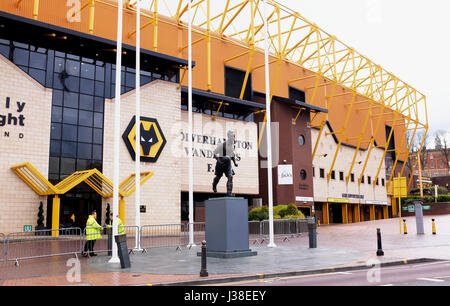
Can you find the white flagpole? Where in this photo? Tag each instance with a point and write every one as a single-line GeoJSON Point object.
{"type": "Point", "coordinates": [191, 166]}
{"type": "Point", "coordinates": [268, 131]}
{"type": "Point", "coordinates": [138, 121]}
{"type": "Point", "coordinates": [115, 258]}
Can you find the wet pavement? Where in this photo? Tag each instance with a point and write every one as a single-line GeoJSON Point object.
{"type": "Point", "coordinates": [339, 246]}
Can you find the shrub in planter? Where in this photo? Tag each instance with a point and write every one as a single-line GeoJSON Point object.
{"type": "Point", "coordinates": [40, 220]}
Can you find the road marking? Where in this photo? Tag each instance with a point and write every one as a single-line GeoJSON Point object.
{"type": "Point", "coordinates": [430, 279]}
{"type": "Point", "coordinates": [270, 280]}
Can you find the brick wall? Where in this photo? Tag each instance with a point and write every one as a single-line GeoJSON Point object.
{"type": "Point", "coordinates": [161, 193]}
{"type": "Point", "coordinates": [31, 142]}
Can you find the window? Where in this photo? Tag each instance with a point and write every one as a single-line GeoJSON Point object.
{"type": "Point", "coordinates": [352, 177]}
{"type": "Point", "coordinates": [301, 140]}
{"type": "Point", "coordinates": [234, 79]}
{"type": "Point", "coordinates": [377, 182]}
{"type": "Point", "coordinates": [303, 175]}
{"type": "Point", "coordinates": [296, 94]}
{"type": "Point", "coordinates": [382, 182]}
{"type": "Point", "coordinates": [341, 175]}
{"type": "Point", "coordinates": [362, 179]}
{"type": "Point", "coordinates": [313, 172]}
{"type": "Point", "coordinates": [369, 180]}
{"type": "Point", "coordinates": [333, 175]}
{"type": "Point", "coordinates": [322, 173]}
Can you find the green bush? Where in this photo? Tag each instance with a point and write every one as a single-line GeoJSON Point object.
{"type": "Point", "coordinates": [279, 212]}
{"type": "Point", "coordinates": [292, 210]}
{"type": "Point", "coordinates": [443, 198]}
{"type": "Point", "coordinates": [426, 199]}
{"type": "Point", "coordinates": [258, 213]}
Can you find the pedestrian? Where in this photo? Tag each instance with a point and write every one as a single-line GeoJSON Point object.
{"type": "Point", "coordinates": [120, 228]}
{"type": "Point", "coordinates": [92, 234]}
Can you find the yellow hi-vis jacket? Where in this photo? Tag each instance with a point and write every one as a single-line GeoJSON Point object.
{"type": "Point", "coordinates": [93, 229]}
{"type": "Point", "coordinates": [120, 228]}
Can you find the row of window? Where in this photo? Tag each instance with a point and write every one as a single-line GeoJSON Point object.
{"type": "Point", "coordinates": [352, 177]}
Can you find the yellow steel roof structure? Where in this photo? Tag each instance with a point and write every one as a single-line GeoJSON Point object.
{"type": "Point", "coordinates": [296, 40]}
{"type": "Point", "coordinates": [34, 179]}
{"type": "Point", "coordinates": [94, 178]}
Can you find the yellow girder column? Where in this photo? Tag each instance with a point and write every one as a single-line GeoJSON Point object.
{"type": "Point", "coordinates": [56, 205]}
{"type": "Point", "coordinates": [385, 212]}
{"type": "Point", "coordinates": [372, 212]}
{"type": "Point", "coordinates": [326, 213]}
{"type": "Point", "coordinates": [344, 213]}
{"type": "Point", "coordinates": [357, 213]}
{"type": "Point", "coordinates": [122, 209]}
{"type": "Point", "coordinates": [394, 206]}
{"type": "Point", "coordinates": [91, 16]}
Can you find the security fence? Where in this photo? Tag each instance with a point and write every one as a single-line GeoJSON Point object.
{"type": "Point", "coordinates": [42, 243]}
{"type": "Point", "coordinates": [2, 247]}
{"type": "Point", "coordinates": [163, 235]}
{"type": "Point", "coordinates": [71, 241]}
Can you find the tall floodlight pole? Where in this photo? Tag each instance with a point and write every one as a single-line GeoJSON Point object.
{"type": "Point", "coordinates": [114, 257]}
{"type": "Point", "coordinates": [138, 122]}
{"type": "Point", "coordinates": [191, 164]}
{"type": "Point", "coordinates": [268, 131]}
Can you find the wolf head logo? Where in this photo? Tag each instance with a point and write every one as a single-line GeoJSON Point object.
{"type": "Point", "coordinates": [148, 139]}
{"type": "Point", "coordinates": [151, 141]}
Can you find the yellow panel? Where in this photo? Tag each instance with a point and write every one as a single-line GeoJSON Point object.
{"type": "Point", "coordinates": [400, 187]}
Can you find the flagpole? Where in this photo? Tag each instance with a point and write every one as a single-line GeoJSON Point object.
{"type": "Point", "coordinates": [138, 121]}
{"type": "Point", "coordinates": [268, 132]}
{"type": "Point", "coordinates": [114, 257]}
{"type": "Point", "coordinates": [191, 174]}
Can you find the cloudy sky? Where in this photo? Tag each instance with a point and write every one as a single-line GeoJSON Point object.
{"type": "Point", "coordinates": [409, 38]}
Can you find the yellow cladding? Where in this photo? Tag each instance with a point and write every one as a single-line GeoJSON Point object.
{"type": "Point", "coordinates": [94, 178]}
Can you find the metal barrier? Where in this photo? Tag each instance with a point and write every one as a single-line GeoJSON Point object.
{"type": "Point", "coordinates": [283, 228]}
{"type": "Point", "coordinates": [198, 230]}
{"type": "Point", "coordinates": [2, 247]}
{"type": "Point", "coordinates": [37, 244]}
{"type": "Point", "coordinates": [41, 243]}
{"type": "Point", "coordinates": [163, 235]}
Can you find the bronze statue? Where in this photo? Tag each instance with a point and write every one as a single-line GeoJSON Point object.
{"type": "Point", "coordinates": [224, 154]}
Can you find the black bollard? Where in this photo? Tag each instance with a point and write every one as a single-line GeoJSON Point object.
{"type": "Point", "coordinates": [110, 240]}
{"type": "Point", "coordinates": [312, 226]}
{"type": "Point", "coordinates": [122, 251]}
{"type": "Point", "coordinates": [203, 271]}
{"type": "Point", "coordinates": [380, 249]}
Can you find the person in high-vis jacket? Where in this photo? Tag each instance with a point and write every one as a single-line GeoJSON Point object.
{"type": "Point", "coordinates": [120, 228]}
{"type": "Point", "coordinates": [92, 234]}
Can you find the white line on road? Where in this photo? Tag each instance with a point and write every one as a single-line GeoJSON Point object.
{"type": "Point", "coordinates": [430, 279]}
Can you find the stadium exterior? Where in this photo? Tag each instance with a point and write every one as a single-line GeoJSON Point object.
{"type": "Point", "coordinates": [340, 120]}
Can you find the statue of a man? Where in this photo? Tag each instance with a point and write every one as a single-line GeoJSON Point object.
{"type": "Point", "coordinates": [224, 154]}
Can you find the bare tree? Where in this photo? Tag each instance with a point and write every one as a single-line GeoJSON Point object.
{"type": "Point", "coordinates": [442, 145]}
{"type": "Point", "coordinates": [415, 143]}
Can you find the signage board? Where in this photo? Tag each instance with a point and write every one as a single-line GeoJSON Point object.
{"type": "Point", "coordinates": [337, 200]}
{"type": "Point", "coordinates": [285, 175]}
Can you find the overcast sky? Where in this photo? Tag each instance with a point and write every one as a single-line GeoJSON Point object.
{"type": "Point", "coordinates": [409, 38]}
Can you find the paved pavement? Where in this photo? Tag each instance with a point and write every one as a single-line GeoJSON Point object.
{"type": "Point", "coordinates": [340, 247]}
